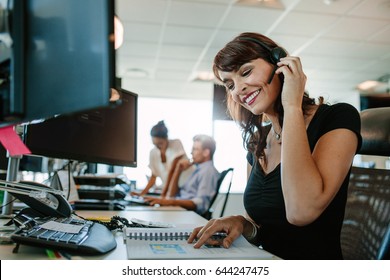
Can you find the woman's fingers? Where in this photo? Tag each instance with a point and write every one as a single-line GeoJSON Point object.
{"type": "Point", "coordinates": [292, 65]}
{"type": "Point", "coordinates": [194, 235]}
{"type": "Point", "coordinates": [294, 80]}
{"type": "Point", "coordinates": [209, 233]}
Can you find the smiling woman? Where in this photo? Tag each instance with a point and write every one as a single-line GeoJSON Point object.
{"type": "Point", "coordinates": [300, 153]}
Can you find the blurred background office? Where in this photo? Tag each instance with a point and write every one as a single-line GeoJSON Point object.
{"type": "Point", "coordinates": [168, 48]}
{"type": "Point", "coordinates": [169, 45]}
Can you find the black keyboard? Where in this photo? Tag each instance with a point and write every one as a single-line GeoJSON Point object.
{"type": "Point", "coordinates": [90, 238]}
{"type": "Point", "coordinates": [136, 200]}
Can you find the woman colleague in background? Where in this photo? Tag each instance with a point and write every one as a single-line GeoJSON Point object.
{"type": "Point", "coordinates": [300, 154]}
{"type": "Point", "coordinates": [163, 159]}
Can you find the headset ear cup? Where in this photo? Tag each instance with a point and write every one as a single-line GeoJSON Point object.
{"type": "Point", "coordinates": [277, 53]}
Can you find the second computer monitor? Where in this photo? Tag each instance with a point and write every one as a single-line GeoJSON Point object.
{"type": "Point", "coordinates": [106, 135]}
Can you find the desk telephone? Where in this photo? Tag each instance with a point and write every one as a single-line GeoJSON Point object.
{"type": "Point", "coordinates": [45, 200]}
{"type": "Point", "coordinates": [49, 223]}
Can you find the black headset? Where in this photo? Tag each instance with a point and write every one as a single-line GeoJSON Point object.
{"type": "Point", "coordinates": [275, 53]}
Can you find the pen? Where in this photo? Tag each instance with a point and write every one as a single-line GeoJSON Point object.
{"type": "Point", "coordinates": [50, 254]}
{"type": "Point", "coordinates": [57, 255]}
{"type": "Point", "coordinates": [217, 235]}
{"type": "Point", "coordinates": [101, 219]}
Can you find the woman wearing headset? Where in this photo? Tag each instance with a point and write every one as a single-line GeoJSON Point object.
{"type": "Point", "coordinates": [300, 154]}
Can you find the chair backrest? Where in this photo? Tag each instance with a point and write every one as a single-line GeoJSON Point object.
{"type": "Point", "coordinates": [375, 131]}
{"type": "Point", "coordinates": [367, 215]}
{"type": "Point", "coordinates": [208, 214]}
{"type": "Point", "coordinates": [366, 227]}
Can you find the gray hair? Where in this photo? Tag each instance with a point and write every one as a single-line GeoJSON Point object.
{"type": "Point", "coordinates": [207, 142]}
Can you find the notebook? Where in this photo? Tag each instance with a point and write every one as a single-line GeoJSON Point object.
{"type": "Point", "coordinates": [171, 243]}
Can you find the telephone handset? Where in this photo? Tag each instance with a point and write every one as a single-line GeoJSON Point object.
{"type": "Point", "coordinates": [47, 203]}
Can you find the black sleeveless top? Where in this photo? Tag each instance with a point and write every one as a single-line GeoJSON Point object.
{"type": "Point", "coordinates": [263, 199]}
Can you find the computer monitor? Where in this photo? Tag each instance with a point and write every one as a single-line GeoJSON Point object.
{"type": "Point", "coordinates": [106, 135]}
{"type": "Point", "coordinates": [368, 101]}
{"type": "Point", "coordinates": [58, 58]}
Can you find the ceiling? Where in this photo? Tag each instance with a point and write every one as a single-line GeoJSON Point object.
{"type": "Point", "coordinates": [167, 42]}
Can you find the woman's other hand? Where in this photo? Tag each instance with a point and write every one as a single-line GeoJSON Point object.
{"type": "Point", "coordinates": [233, 226]}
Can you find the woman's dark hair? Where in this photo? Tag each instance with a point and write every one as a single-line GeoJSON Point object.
{"type": "Point", "coordinates": [230, 58]}
{"type": "Point", "coordinates": [159, 130]}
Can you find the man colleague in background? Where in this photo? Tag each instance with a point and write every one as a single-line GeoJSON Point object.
{"type": "Point", "coordinates": [195, 194]}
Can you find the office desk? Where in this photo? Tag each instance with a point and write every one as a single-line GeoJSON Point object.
{"type": "Point", "coordinates": [150, 214]}
{"type": "Point", "coordinates": [120, 253]}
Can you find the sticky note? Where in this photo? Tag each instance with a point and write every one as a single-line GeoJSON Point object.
{"type": "Point", "coordinates": [12, 142]}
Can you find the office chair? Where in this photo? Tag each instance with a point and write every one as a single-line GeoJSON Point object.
{"type": "Point", "coordinates": [209, 212]}
{"type": "Point", "coordinates": [365, 233]}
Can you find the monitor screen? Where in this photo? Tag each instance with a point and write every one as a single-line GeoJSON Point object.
{"type": "Point", "coordinates": [61, 59]}
{"type": "Point", "coordinates": [107, 135]}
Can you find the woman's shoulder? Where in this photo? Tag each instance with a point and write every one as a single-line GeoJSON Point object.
{"type": "Point", "coordinates": [338, 107]}
{"type": "Point", "coordinates": [175, 141]}
{"type": "Point", "coordinates": [338, 111]}
{"type": "Point", "coordinates": [339, 115]}
{"type": "Point", "coordinates": [175, 144]}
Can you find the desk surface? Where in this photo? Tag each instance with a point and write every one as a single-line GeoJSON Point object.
{"type": "Point", "coordinates": [171, 216]}
{"type": "Point", "coordinates": [153, 208]}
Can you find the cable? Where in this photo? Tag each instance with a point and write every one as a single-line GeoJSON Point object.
{"type": "Point", "coordinates": [115, 222]}
{"type": "Point", "coordinates": [10, 202]}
